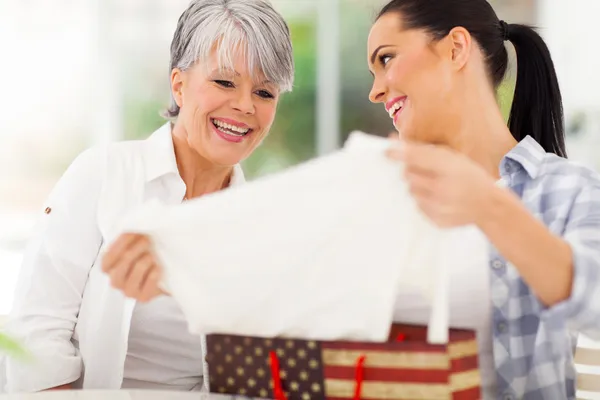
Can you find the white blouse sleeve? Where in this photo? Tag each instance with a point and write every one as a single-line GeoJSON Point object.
{"type": "Point", "coordinates": [57, 261]}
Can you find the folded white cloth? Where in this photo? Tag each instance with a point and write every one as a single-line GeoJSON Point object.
{"type": "Point", "coordinates": [317, 251]}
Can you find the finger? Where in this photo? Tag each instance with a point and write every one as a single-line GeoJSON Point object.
{"type": "Point", "coordinates": [424, 157]}
{"type": "Point", "coordinates": [124, 267]}
{"type": "Point", "coordinates": [395, 152]}
{"type": "Point", "coordinates": [147, 296]}
{"type": "Point", "coordinates": [421, 185]}
{"type": "Point", "coordinates": [406, 154]}
{"type": "Point", "coordinates": [440, 213]}
{"type": "Point", "coordinates": [124, 255]}
{"type": "Point", "coordinates": [151, 288]}
{"type": "Point", "coordinates": [139, 273]}
{"type": "Point", "coordinates": [417, 170]}
{"type": "Point", "coordinates": [434, 212]}
{"type": "Point", "coordinates": [116, 250]}
{"type": "Point", "coordinates": [118, 275]}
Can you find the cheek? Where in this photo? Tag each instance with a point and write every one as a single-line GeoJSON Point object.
{"type": "Point", "coordinates": [417, 76]}
{"type": "Point", "coordinates": [203, 99]}
{"type": "Point", "coordinates": [397, 78]}
{"type": "Point", "coordinates": [265, 115]}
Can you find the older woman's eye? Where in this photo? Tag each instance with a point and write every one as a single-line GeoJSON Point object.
{"type": "Point", "coordinates": [226, 84]}
{"type": "Point", "coordinates": [265, 95]}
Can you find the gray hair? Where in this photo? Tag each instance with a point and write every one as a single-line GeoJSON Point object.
{"type": "Point", "coordinates": [250, 26]}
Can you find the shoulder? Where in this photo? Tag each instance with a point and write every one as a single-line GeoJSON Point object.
{"type": "Point", "coordinates": [545, 171]}
{"type": "Point", "coordinates": [99, 154]}
{"type": "Point", "coordinates": [89, 171]}
{"type": "Point", "coordinates": [127, 151]}
{"type": "Point", "coordinates": [566, 192]}
{"type": "Point", "coordinates": [98, 160]}
{"type": "Point", "coordinates": [560, 173]}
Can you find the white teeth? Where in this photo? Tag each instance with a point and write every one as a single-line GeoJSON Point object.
{"type": "Point", "coordinates": [230, 127]}
{"type": "Point", "coordinates": [398, 105]}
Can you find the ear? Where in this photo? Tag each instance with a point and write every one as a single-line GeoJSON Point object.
{"type": "Point", "coordinates": [177, 86]}
{"type": "Point", "coordinates": [460, 41]}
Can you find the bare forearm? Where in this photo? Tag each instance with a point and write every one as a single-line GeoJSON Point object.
{"type": "Point", "coordinates": [544, 260]}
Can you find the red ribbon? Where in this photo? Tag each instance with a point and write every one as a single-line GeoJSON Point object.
{"type": "Point", "coordinates": [277, 388]}
{"type": "Point", "coordinates": [359, 376]}
{"type": "Point", "coordinates": [401, 337]}
{"type": "Point", "coordinates": [360, 370]}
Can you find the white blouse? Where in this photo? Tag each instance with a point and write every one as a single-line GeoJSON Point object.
{"type": "Point", "coordinates": [65, 310]}
{"type": "Point", "coordinates": [161, 353]}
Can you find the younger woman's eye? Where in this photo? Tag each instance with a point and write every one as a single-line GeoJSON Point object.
{"type": "Point", "coordinates": [384, 59]}
{"type": "Point", "coordinates": [226, 84]}
{"type": "Point", "coordinates": [265, 95]}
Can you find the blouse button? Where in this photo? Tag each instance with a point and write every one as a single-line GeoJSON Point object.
{"type": "Point", "coordinates": [502, 327]}
{"type": "Point", "coordinates": [48, 210]}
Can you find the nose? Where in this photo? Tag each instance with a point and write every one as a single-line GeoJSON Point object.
{"type": "Point", "coordinates": [378, 91]}
{"type": "Point", "coordinates": [244, 103]}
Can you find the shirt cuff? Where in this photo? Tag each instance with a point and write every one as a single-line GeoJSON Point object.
{"type": "Point", "coordinates": [44, 371]}
{"type": "Point", "coordinates": [581, 311]}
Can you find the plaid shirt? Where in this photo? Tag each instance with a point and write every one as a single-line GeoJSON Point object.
{"type": "Point", "coordinates": [533, 346]}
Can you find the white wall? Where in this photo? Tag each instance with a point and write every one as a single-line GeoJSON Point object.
{"type": "Point", "coordinates": [568, 27]}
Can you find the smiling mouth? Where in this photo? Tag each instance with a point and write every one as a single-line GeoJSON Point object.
{"type": "Point", "coordinates": [396, 107]}
{"type": "Point", "coordinates": [229, 129]}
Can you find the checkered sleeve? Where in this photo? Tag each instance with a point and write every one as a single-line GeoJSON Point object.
{"type": "Point", "coordinates": [582, 232]}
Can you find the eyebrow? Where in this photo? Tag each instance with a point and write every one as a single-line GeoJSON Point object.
{"type": "Point", "coordinates": [374, 55]}
{"type": "Point", "coordinates": [237, 74]}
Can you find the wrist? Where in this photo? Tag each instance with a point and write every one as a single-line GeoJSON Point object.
{"type": "Point", "coordinates": [491, 207]}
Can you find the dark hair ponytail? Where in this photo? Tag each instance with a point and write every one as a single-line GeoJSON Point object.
{"type": "Point", "coordinates": [537, 105]}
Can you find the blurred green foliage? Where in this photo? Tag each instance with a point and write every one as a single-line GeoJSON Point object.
{"type": "Point", "coordinates": [292, 137]}
{"type": "Point", "coordinates": [12, 348]}
{"type": "Point", "coordinates": [505, 96]}
{"type": "Point", "coordinates": [357, 112]}
{"type": "Point", "coordinates": [142, 116]}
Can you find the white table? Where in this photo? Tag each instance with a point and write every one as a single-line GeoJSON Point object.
{"type": "Point", "coordinates": [118, 395]}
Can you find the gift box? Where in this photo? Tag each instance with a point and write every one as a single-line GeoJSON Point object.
{"type": "Point", "coordinates": [404, 367]}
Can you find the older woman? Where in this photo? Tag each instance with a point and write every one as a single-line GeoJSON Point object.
{"type": "Point", "coordinates": [230, 62]}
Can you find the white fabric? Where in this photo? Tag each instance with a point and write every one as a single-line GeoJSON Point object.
{"type": "Point", "coordinates": [317, 251]}
{"type": "Point", "coordinates": [65, 309]}
{"type": "Point", "coordinates": [161, 353]}
{"type": "Point", "coordinates": [470, 308]}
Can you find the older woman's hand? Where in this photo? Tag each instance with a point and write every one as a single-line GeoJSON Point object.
{"type": "Point", "coordinates": [133, 268]}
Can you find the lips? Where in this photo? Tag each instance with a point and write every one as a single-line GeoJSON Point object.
{"type": "Point", "coordinates": [231, 127]}
{"type": "Point", "coordinates": [395, 105]}
{"type": "Point", "coordinates": [230, 130]}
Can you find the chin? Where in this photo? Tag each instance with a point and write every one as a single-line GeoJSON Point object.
{"type": "Point", "coordinates": [405, 132]}
{"type": "Point", "coordinates": [225, 159]}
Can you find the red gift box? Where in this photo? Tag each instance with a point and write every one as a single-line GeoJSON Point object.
{"type": "Point", "coordinates": [404, 367]}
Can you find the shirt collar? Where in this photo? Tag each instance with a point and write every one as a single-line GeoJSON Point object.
{"type": "Point", "coordinates": [159, 157]}
{"type": "Point", "coordinates": [528, 154]}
